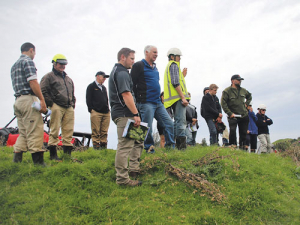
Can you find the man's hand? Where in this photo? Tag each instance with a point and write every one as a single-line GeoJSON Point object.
{"type": "Point", "coordinates": [194, 121]}
{"type": "Point", "coordinates": [137, 121]}
{"type": "Point", "coordinates": [220, 115]}
{"type": "Point", "coordinates": [184, 72]}
{"type": "Point", "coordinates": [232, 115]}
{"type": "Point", "coordinates": [248, 132]}
{"type": "Point", "coordinates": [219, 120]}
{"type": "Point", "coordinates": [184, 102]}
{"type": "Point", "coordinates": [43, 106]}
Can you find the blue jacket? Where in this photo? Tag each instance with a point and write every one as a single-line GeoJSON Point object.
{"type": "Point", "coordinates": [252, 123]}
{"type": "Point", "coordinates": [145, 80]}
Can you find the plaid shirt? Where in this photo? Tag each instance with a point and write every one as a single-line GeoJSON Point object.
{"type": "Point", "coordinates": [22, 72]}
{"type": "Point", "coordinates": [174, 74]}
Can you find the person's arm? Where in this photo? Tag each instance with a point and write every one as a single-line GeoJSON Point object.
{"type": "Point", "coordinates": [174, 75]}
{"type": "Point", "coordinates": [136, 72]}
{"type": "Point", "coordinates": [248, 97]}
{"type": "Point", "coordinates": [129, 101]}
{"type": "Point", "coordinates": [73, 95]}
{"type": "Point", "coordinates": [89, 101]}
{"type": "Point", "coordinates": [224, 100]}
{"type": "Point", "coordinates": [184, 101]}
{"type": "Point", "coordinates": [35, 87]}
{"type": "Point", "coordinates": [184, 72]}
{"type": "Point", "coordinates": [46, 90]}
{"type": "Point", "coordinates": [269, 121]}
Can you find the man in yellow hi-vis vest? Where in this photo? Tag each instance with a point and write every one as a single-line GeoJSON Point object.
{"type": "Point", "coordinates": [176, 95]}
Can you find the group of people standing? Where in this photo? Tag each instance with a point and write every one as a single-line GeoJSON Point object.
{"type": "Point", "coordinates": [237, 104]}
{"type": "Point", "coordinates": [56, 91]}
{"type": "Point", "coordinates": [135, 95]}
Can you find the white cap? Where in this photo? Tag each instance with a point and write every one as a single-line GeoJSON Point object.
{"type": "Point", "coordinates": [262, 106]}
{"type": "Point", "coordinates": [174, 51]}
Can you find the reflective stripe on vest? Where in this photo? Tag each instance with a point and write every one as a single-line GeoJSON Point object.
{"type": "Point", "coordinates": [170, 94]}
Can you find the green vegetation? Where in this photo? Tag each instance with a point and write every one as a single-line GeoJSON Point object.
{"type": "Point", "coordinates": [202, 185]}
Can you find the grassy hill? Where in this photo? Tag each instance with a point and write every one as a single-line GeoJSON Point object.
{"type": "Point", "coordinates": [202, 185]}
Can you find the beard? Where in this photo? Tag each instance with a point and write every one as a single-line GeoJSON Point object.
{"type": "Point", "coordinates": [238, 85]}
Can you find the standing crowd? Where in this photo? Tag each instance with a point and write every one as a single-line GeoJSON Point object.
{"type": "Point", "coordinates": [132, 95]}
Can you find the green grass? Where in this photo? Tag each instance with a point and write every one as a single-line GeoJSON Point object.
{"type": "Point", "coordinates": [259, 189]}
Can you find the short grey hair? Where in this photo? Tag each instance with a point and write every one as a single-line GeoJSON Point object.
{"type": "Point", "coordinates": [148, 48]}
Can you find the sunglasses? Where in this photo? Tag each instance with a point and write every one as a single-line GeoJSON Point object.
{"type": "Point", "coordinates": [263, 110]}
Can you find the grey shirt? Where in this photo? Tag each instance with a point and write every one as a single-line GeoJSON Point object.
{"type": "Point", "coordinates": [118, 83]}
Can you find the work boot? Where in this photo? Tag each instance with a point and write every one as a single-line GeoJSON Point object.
{"type": "Point", "coordinates": [38, 158]}
{"type": "Point", "coordinates": [103, 145]}
{"type": "Point", "coordinates": [67, 149]}
{"type": "Point", "coordinates": [133, 174]}
{"type": "Point", "coordinates": [18, 157]}
{"type": "Point", "coordinates": [96, 147]}
{"type": "Point", "coordinates": [133, 183]}
{"type": "Point", "coordinates": [181, 142]}
{"type": "Point", "coordinates": [151, 150]}
{"type": "Point", "coordinates": [53, 153]}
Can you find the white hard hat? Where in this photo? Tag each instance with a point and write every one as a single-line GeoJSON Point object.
{"type": "Point", "coordinates": [262, 106]}
{"type": "Point", "coordinates": [174, 51]}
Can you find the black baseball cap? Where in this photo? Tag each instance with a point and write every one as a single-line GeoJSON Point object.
{"type": "Point", "coordinates": [236, 77]}
{"type": "Point", "coordinates": [205, 89]}
{"type": "Point", "coordinates": [102, 73]}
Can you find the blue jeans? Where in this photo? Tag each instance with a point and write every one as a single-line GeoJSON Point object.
{"type": "Point", "coordinates": [179, 119]}
{"type": "Point", "coordinates": [190, 137]}
{"type": "Point", "coordinates": [149, 111]}
{"type": "Point", "coordinates": [212, 131]}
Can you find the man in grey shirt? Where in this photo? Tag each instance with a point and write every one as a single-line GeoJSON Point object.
{"type": "Point", "coordinates": [122, 102]}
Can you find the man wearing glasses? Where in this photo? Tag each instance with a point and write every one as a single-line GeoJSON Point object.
{"type": "Point", "coordinates": [263, 130]}
{"type": "Point", "coordinates": [234, 101]}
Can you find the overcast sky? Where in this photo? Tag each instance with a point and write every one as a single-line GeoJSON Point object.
{"type": "Point", "coordinates": [260, 40]}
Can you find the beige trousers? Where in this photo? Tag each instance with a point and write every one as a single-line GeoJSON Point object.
{"type": "Point", "coordinates": [30, 123]}
{"type": "Point", "coordinates": [99, 125]}
{"type": "Point", "coordinates": [126, 148]}
{"type": "Point", "coordinates": [265, 144]}
{"type": "Point", "coordinates": [61, 118]}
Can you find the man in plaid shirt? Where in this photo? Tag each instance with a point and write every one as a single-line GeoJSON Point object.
{"type": "Point", "coordinates": [27, 91]}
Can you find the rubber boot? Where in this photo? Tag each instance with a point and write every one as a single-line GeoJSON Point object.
{"type": "Point", "coordinates": [38, 158]}
{"type": "Point", "coordinates": [18, 156]}
{"type": "Point", "coordinates": [53, 153]}
{"type": "Point", "coordinates": [181, 142]}
{"type": "Point", "coordinates": [67, 149]}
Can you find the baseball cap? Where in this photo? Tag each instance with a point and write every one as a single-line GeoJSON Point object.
{"type": "Point", "coordinates": [236, 77]}
{"type": "Point", "coordinates": [102, 73]}
{"type": "Point", "coordinates": [205, 89]}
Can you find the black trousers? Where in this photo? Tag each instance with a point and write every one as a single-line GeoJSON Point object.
{"type": "Point", "coordinates": [242, 123]}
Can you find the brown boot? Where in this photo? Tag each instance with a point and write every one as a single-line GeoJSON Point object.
{"type": "Point", "coordinates": [133, 183]}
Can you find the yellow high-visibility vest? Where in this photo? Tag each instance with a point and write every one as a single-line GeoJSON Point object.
{"type": "Point", "coordinates": [170, 94]}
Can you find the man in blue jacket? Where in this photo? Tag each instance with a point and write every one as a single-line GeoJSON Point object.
{"type": "Point", "coordinates": [145, 78]}
{"type": "Point", "coordinates": [251, 138]}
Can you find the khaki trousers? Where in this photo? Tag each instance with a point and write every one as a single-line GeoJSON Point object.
{"type": "Point", "coordinates": [265, 143]}
{"type": "Point", "coordinates": [30, 123]}
{"type": "Point", "coordinates": [126, 148]}
{"type": "Point", "coordinates": [61, 118]}
{"type": "Point", "coordinates": [99, 125]}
